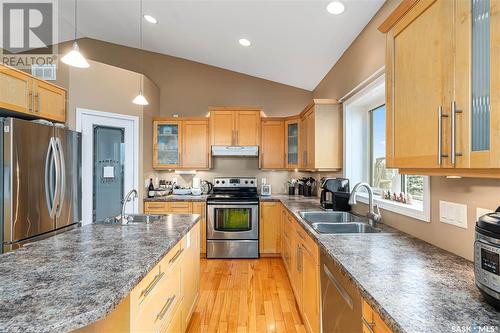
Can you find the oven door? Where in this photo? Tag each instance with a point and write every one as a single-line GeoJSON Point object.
{"type": "Point", "coordinates": [233, 221]}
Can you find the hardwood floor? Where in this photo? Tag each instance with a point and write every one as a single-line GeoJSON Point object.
{"type": "Point", "coordinates": [245, 295]}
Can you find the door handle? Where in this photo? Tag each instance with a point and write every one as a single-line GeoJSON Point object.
{"type": "Point", "coordinates": [52, 198]}
{"type": "Point", "coordinates": [62, 188]}
{"type": "Point", "coordinates": [48, 171]}
{"type": "Point", "coordinates": [454, 153]}
{"type": "Point", "coordinates": [440, 135]}
{"type": "Point", "coordinates": [339, 288]}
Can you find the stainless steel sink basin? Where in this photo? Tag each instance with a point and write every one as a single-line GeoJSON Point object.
{"type": "Point", "coordinates": [331, 217]}
{"type": "Point", "coordinates": [143, 218]}
{"type": "Point", "coordinates": [344, 228]}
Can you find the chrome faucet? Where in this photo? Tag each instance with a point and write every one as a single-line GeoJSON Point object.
{"type": "Point", "coordinates": [373, 214]}
{"type": "Point", "coordinates": [128, 197]}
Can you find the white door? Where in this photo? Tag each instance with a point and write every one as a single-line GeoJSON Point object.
{"type": "Point", "coordinates": [110, 148]}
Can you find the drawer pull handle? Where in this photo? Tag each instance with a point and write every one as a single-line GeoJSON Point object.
{"type": "Point", "coordinates": [368, 325]}
{"type": "Point", "coordinates": [166, 307]}
{"type": "Point", "coordinates": [153, 283]}
{"type": "Point", "coordinates": [177, 255]}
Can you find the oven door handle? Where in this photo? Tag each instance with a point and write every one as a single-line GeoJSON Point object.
{"type": "Point", "coordinates": [241, 203]}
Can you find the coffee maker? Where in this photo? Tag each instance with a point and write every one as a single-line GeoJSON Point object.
{"type": "Point", "coordinates": [335, 194]}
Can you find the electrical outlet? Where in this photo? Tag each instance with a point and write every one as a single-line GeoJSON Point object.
{"type": "Point", "coordinates": [453, 213]}
{"type": "Point", "coordinates": [264, 181]}
{"type": "Point", "coordinates": [146, 183]}
{"type": "Point", "coordinates": [174, 180]}
{"type": "Point", "coordinates": [482, 211]}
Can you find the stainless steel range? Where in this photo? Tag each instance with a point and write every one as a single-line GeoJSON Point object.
{"type": "Point", "coordinates": [233, 218]}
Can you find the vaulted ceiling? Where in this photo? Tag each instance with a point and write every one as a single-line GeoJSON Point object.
{"type": "Point", "coordinates": [294, 42]}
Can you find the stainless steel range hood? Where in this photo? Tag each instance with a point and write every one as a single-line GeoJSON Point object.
{"type": "Point", "coordinates": [235, 151]}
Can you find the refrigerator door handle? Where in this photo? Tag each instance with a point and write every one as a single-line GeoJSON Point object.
{"type": "Point", "coordinates": [62, 180]}
{"type": "Point", "coordinates": [48, 172]}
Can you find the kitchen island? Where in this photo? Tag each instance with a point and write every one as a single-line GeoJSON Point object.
{"type": "Point", "coordinates": [77, 278]}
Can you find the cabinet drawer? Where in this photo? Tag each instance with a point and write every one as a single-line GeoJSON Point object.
{"type": "Point", "coordinates": [307, 242]}
{"type": "Point", "coordinates": [158, 309]}
{"type": "Point", "coordinates": [372, 321]}
{"type": "Point", "coordinates": [155, 207]}
{"type": "Point", "coordinates": [175, 324]}
{"type": "Point", "coordinates": [180, 207]}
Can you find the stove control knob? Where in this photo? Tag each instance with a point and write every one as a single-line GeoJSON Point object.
{"type": "Point", "coordinates": [251, 182]}
{"type": "Point", "coordinates": [246, 181]}
{"type": "Point", "coordinates": [223, 182]}
{"type": "Point", "coordinates": [217, 182]}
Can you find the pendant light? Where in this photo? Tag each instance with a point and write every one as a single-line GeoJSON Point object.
{"type": "Point", "coordinates": [140, 99]}
{"type": "Point", "coordinates": [74, 57]}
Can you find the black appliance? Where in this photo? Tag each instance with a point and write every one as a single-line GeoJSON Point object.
{"type": "Point", "coordinates": [233, 218]}
{"type": "Point", "coordinates": [335, 194]}
{"type": "Point", "coordinates": [487, 257]}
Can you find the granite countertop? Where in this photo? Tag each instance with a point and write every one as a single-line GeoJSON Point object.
{"type": "Point", "coordinates": [78, 277]}
{"type": "Point", "coordinates": [414, 286]}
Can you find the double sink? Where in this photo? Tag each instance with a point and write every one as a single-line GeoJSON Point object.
{"type": "Point", "coordinates": [325, 222]}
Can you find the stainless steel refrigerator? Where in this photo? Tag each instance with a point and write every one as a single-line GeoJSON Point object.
{"type": "Point", "coordinates": [41, 183]}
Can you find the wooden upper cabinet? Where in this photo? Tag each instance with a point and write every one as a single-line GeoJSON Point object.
{"type": "Point", "coordinates": [247, 128]}
{"type": "Point", "coordinates": [181, 143]}
{"type": "Point", "coordinates": [235, 126]}
{"type": "Point", "coordinates": [222, 127]}
{"type": "Point", "coordinates": [442, 63]}
{"type": "Point", "coordinates": [31, 97]}
{"type": "Point", "coordinates": [50, 101]}
{"type": "Point", "coordinates": [272, 152]}
{"type": "Point", "coordinates": [321, 135]}
{"type": "Point", "coordinates": [420, 49]}
{"type": "Point", "coordinates": [195, 151]}
{"type": "Point", "coordinates": [15, 90]}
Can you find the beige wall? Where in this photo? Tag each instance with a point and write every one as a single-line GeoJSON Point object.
{"type": "Point", "coordinates": [363, 58]}
{"type": "Point", "coordinates": [111, 89]}
{"type": "Point", "coordinates": [189, 88]}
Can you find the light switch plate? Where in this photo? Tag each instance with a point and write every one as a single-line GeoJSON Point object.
{"type": "Point", "coordinates": [481, 211]}
{"type": "Point", "coordinates": [453, 213]}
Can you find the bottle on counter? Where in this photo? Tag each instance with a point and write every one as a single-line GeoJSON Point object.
{"type": "Point", "coordinates": [151, 189]}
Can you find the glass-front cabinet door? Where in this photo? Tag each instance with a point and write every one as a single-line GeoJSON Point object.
{"type": "Point", "coordinates": [485, 84]}
{"type": "Point", "coordinates": [166, 144]}
{"type": "Point", "coordinates": [292, 143]}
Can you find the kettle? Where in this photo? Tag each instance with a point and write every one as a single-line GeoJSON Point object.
{"type": "Point", "coordinates": [206, 186]}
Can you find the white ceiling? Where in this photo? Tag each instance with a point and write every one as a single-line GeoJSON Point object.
{"type": "Point", "coordinates": [294, 42]}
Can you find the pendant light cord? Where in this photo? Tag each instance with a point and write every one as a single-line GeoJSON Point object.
{"type": "Point", "coordinates": [76, 17]}
{"type": "Point", "coordinates": [140, 50]}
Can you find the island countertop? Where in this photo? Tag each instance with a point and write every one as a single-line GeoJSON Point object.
{"type": "Point", "coordinates": [78, 277]}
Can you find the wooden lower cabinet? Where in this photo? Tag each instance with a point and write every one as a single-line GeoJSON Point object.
{"type": "Point", "coordinates": [201, 209]}
{"type": "Point", "coordinates": [301, 258]}
{"type": "Point", "coordinates": [270, 220]}
{"type": "Point", "coordinates": [372, 323]}
{"type": "Point", "coordinates": [163, 301]}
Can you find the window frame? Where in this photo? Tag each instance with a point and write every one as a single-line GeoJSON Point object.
{"type": "Point", "coordinates": [371, 95]}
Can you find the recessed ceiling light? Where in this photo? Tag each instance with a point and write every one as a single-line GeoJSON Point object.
{"type": "Point", "coordinates": [150, 19]}
{"type": "Point", "coordinates": [335, 7]}
{"type": "Point", "coordinates": [244, 42]}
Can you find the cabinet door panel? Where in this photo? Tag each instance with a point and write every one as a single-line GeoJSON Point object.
{"type": "Point", "coordinates": [310, 299]}
{"type": "Point", "coordinates": [270, 227]}
{"type": "Point", "coordinates": [15, 90]}
{"type": "Point", "coordinates": [222, 127]}
{"type": "Point", "coordinates": [167, 144]}
{"type": "Point", "coordinates": [201, 209]}
{"type": "Point", "coordinates": [292, 146]}
{"type": "Point", "coordinates": [195, 152]}
{"type": "Point", "coordinates": [50, 101]}
{"type": "Point", "coordinates": [273, 144]}
{"type": "Point", "coordinates": [247, 128]}
{"type": "Point", "coordinates": [422, 82]}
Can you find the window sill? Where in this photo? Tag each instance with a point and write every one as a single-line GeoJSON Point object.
{"type": "Point", "coordinates": [419, 211]}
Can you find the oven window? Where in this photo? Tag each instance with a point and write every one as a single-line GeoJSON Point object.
{"type": "Point", "coordinates": [233, 219]}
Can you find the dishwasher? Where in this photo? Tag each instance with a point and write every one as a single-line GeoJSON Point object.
{"type": "Point", "coordinates": [340, 300]}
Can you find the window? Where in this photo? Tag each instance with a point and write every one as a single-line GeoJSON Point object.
{"type": "Point", "coordinates": [383, 179]}
{"type": "Point", "coordinates": [365, 161]}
